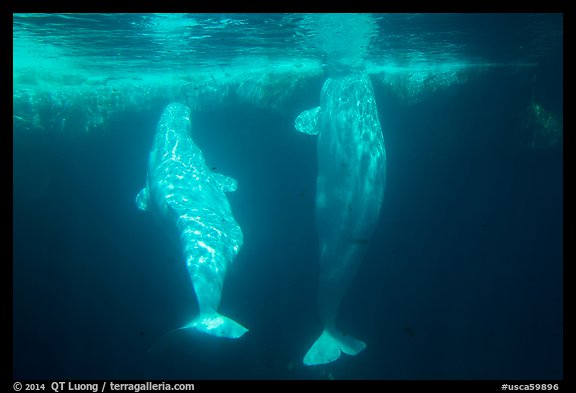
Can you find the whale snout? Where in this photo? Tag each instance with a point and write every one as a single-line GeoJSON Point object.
{"type": "Point", "coordinates": [176, 110]}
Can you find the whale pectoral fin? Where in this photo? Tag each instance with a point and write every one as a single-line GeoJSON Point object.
{"type": "Point", "coordinates": [307, 121]}
{"type": "Point", "coordinates": [226, 183]}
{"type": "Point", "coordinates": [142, 199]}
{"type": "Point", "coordinates": [217, 325]}
{"type": "Point", "coordinates": [329, 346]}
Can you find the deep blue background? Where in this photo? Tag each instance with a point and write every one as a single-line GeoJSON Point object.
{"type": "Point", "coordinates": [463, 278]}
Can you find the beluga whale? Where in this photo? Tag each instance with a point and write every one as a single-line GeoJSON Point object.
{"type": "Point", "coordinates": [189, 200]}
{"type": "Point", "coordinates": [349, 193]}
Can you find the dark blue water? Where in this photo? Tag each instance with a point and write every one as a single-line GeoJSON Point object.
{"type": "Point", "coordinates": [463, 279]}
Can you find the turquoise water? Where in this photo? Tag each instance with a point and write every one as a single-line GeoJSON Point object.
{"type": "Point", "coordinates": [463, 277]}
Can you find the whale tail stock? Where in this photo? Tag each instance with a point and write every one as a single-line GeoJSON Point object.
{"type": "Point", "coordinates": [329, 345]}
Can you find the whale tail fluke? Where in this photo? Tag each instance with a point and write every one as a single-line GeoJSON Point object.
{"type": "Point", "coordinates": [217, 325]}
{"type": "Point", "coordinates": [213, 324]}
{"type": "Point", "coordinates": [329, 346]}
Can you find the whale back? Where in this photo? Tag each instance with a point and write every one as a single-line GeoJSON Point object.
{"type": "Point", "coordinates": [351, 157]}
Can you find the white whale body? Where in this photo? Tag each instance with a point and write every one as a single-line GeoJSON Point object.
{"type": "Point", "coordinates": [349, 194]}
{"type": "Point", "coordinates": [188, 199]}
